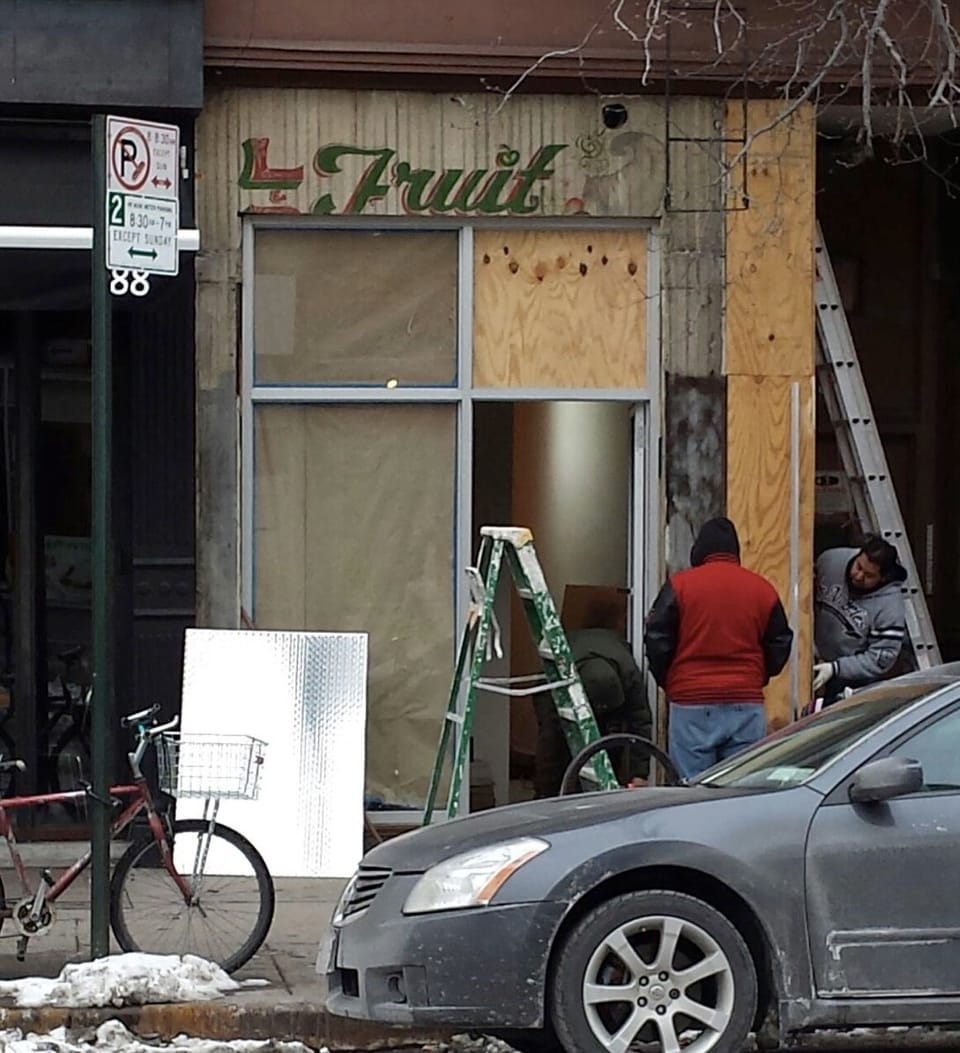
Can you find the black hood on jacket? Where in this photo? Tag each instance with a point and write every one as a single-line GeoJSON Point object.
{"type": "Point", "coordinates": [716, 536]}
{"type": "Point", "coordinates": [897, 574]}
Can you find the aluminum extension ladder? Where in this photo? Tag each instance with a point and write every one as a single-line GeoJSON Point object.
{"type": "Point", "coordinates": [481, 641]}
{"type": "Point", "coordinates": [858, 438]}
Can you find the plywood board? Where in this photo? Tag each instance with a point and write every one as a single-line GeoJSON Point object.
{"type": "Point", "coordinates": [761, 477]}
{"type": "Point", "coordinates": [560, 309]}
{"type": "Point", "coordinates": [769, 295]}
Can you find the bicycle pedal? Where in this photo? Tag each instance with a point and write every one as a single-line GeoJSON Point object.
{"type": "Point", "coordinates": [22, 947]}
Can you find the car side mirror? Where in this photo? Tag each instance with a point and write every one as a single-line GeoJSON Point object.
{"type": "Point", "coordinates": [883, 779]}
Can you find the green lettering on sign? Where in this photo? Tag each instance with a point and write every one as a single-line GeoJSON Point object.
{"type": "Point", "coordinates": [505, 189]}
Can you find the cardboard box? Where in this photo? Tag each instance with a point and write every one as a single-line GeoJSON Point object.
{"type": "Point", "coordinates": [595, 607]}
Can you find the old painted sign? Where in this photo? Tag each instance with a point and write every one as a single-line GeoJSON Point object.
{"type": "Point", "coordinates": [506, 187]}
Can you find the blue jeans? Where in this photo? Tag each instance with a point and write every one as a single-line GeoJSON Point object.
{"type": "Point", "coordinates": [703, 735]}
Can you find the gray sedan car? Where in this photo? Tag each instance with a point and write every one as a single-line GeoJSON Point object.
{"type": "Point", "coordinates": [810, 882]}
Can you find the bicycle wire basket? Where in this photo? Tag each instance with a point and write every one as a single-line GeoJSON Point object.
{"type": "Point", "coordinates": [222, 766]}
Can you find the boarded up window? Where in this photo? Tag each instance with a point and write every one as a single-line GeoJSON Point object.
{"type": "Point", "coordinates": [352, 307]}
{"type": "Point", "coordinates": [354, 532]}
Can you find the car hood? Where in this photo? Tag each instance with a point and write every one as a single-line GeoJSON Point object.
{"type": "Point", "coordinates": [420, 849]}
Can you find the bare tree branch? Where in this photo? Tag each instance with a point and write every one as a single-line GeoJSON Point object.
{"type": "Point", "coordinates": [559, 53]}
{"type": "Point", "coordinates": [866, 75]}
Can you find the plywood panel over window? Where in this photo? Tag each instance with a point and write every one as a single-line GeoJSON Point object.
{"type": "Point", "coordinates": [355, 307]}
{"type": "Point", "coordinates": [769, 353]}
{"type": "Point", "coordinates": [770, 244]}
{"type": "Point", "coordinates": [560, 309]}
{"type": "Point", "coordinates": [354, 533]}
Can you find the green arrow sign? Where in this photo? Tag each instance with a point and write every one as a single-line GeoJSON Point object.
{"type": "Point", "coordinates": [152, 254]}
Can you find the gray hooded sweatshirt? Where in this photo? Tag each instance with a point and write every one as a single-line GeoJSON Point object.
{"type": "Point", "coordinates": [861, 633]}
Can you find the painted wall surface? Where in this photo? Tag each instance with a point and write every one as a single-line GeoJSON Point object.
{"type": "Point", "coordinates": [290, 152]}
{"type": "Point", "coordinates": [100, 53]}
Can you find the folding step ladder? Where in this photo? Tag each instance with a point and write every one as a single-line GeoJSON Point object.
{"type": "Point", "coordinates": [481, 641]}
{"type": "Point", "coordinates": [858, 438]}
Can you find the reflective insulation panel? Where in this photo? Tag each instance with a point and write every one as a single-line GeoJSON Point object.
{"type": "Point", "coordinates": [304, 695]}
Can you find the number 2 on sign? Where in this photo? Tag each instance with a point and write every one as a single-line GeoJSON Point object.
{"type": "Point", "coordinates": [116, 210]}
{"type": "Point", "coordinates": [137, 283]}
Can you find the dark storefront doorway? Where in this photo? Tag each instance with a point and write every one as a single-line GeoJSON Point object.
{"type": "Point", "coordinates": [45, 508]}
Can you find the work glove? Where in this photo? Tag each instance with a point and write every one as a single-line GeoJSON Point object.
{"type": "Point", "coordinates": [822, 674]}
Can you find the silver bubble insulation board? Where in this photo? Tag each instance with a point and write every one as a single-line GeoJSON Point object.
{"type": "Point", "coordinates": [304, 694]}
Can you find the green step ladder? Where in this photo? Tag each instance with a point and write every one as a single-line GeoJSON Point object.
{"type": "Point", "coordinates": [481, 641]}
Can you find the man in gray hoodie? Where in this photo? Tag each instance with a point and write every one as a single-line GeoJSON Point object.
{"type": "Point", "coordinates": [859, 618]}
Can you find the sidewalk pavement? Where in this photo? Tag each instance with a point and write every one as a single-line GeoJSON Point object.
{"type": "Point", "coordinates": [290, 1007]}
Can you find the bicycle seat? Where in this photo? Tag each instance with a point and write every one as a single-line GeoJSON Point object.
{"type": "Point", "coordinates": [71, 654]}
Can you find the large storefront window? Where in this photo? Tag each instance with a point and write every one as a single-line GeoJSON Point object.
{"type": "Point", "coordinates": [369, 469]}
{"type": "Point", "coordinates": [332, 483]}
{"type": "Point", "coordinates": [339, 307]}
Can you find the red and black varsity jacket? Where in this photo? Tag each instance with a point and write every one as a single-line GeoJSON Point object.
{"type": "Point", "coordinates": [716, 633]}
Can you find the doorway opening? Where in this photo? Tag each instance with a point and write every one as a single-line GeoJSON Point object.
{"type": "Point", "coordinates": [566, 470]}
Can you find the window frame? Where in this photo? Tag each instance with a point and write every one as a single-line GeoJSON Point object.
{"type": "Point", "coordinates": [647, 505]}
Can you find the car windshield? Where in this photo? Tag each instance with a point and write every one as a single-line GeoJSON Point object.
{"type": "Point", "coordinates": [796, 753]}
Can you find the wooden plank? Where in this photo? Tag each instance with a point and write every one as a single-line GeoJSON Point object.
{"type": "Point", "coordinates": [760, 484]}
{"type": "Point", "coordinates": [770, 326]}
{"type": "Point", "coordinates": [768, 353]}
{"type": "Point", "coordinates": [560, 309]}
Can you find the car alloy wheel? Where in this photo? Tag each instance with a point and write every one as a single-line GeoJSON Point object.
{"type": "Point", "coordinates": [654, 971]}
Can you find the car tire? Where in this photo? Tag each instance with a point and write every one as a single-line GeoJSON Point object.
{"type": "Point", "coordinates": [675, 965]}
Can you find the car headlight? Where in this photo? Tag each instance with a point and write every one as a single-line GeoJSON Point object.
{"type": "Point", "coordinates": [344, 899]}
{"type": "Point", "coordinates": [472, 878]}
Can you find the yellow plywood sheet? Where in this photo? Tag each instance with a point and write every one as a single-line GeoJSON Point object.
{"type": "Point", "coordinates": [560, 309]}
{"type": "Point", "coordinates": [763, 475]}
{"type": "Point", "coordinates": [769, 244]}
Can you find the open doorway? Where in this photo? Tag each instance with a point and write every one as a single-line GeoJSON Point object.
{"type": "Point", "coordinates": [566, 470]}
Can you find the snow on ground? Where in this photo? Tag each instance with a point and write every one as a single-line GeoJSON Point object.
{"type": "Point", "coordinates": [112, 1037]}
{"type": "Point", "coordinates": [124, 979]}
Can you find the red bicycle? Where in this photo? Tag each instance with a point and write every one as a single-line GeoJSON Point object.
{"type": "Point", "coordinates": [185, 886]}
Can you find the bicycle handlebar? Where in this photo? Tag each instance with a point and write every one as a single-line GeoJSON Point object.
{"type": "Point", "coordinates": [139, 717]}
{"type": "Point", "coordinates": [160, 728]}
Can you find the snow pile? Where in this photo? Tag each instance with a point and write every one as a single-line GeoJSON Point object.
{"type": "Point", "coordinates": [112, 1037]}
{"type": "Point", "coordinates": [123, 979]}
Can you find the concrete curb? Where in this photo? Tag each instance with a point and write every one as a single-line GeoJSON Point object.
{"type": "Point", "coordinates": [291, 1021]}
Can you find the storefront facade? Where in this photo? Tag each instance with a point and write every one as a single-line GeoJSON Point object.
{"type": "Point", "coordinates": [461, 309]}
{"type": "Point", "coordinates": [65, 64]}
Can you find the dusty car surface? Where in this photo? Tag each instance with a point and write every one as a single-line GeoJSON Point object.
{"type": "Point", "coordinates": [810, 882]}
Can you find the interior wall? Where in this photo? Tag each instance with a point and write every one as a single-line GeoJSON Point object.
{"type": "Point", "coordinates": [572, 467]}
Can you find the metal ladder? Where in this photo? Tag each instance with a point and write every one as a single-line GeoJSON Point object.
{"type": "Point", "coordinates": [479, 644]}
{"type": "Point", "coordinates": [858, 438]}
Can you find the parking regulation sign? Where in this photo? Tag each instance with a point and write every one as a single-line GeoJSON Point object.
{"type": "Point", "coordinates": [143, 207]}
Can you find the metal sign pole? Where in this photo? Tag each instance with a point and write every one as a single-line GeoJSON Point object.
{"type": "Point", "coordinates": [102, 556]}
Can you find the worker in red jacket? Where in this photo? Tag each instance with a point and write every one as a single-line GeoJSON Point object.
{"type": "Point", "coordinates": [714, 637]}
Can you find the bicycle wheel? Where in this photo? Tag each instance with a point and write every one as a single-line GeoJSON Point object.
{"type": "Point", "coordinates": [571, 777]}
{"type": "Point", "coordinates": [232, 905]}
